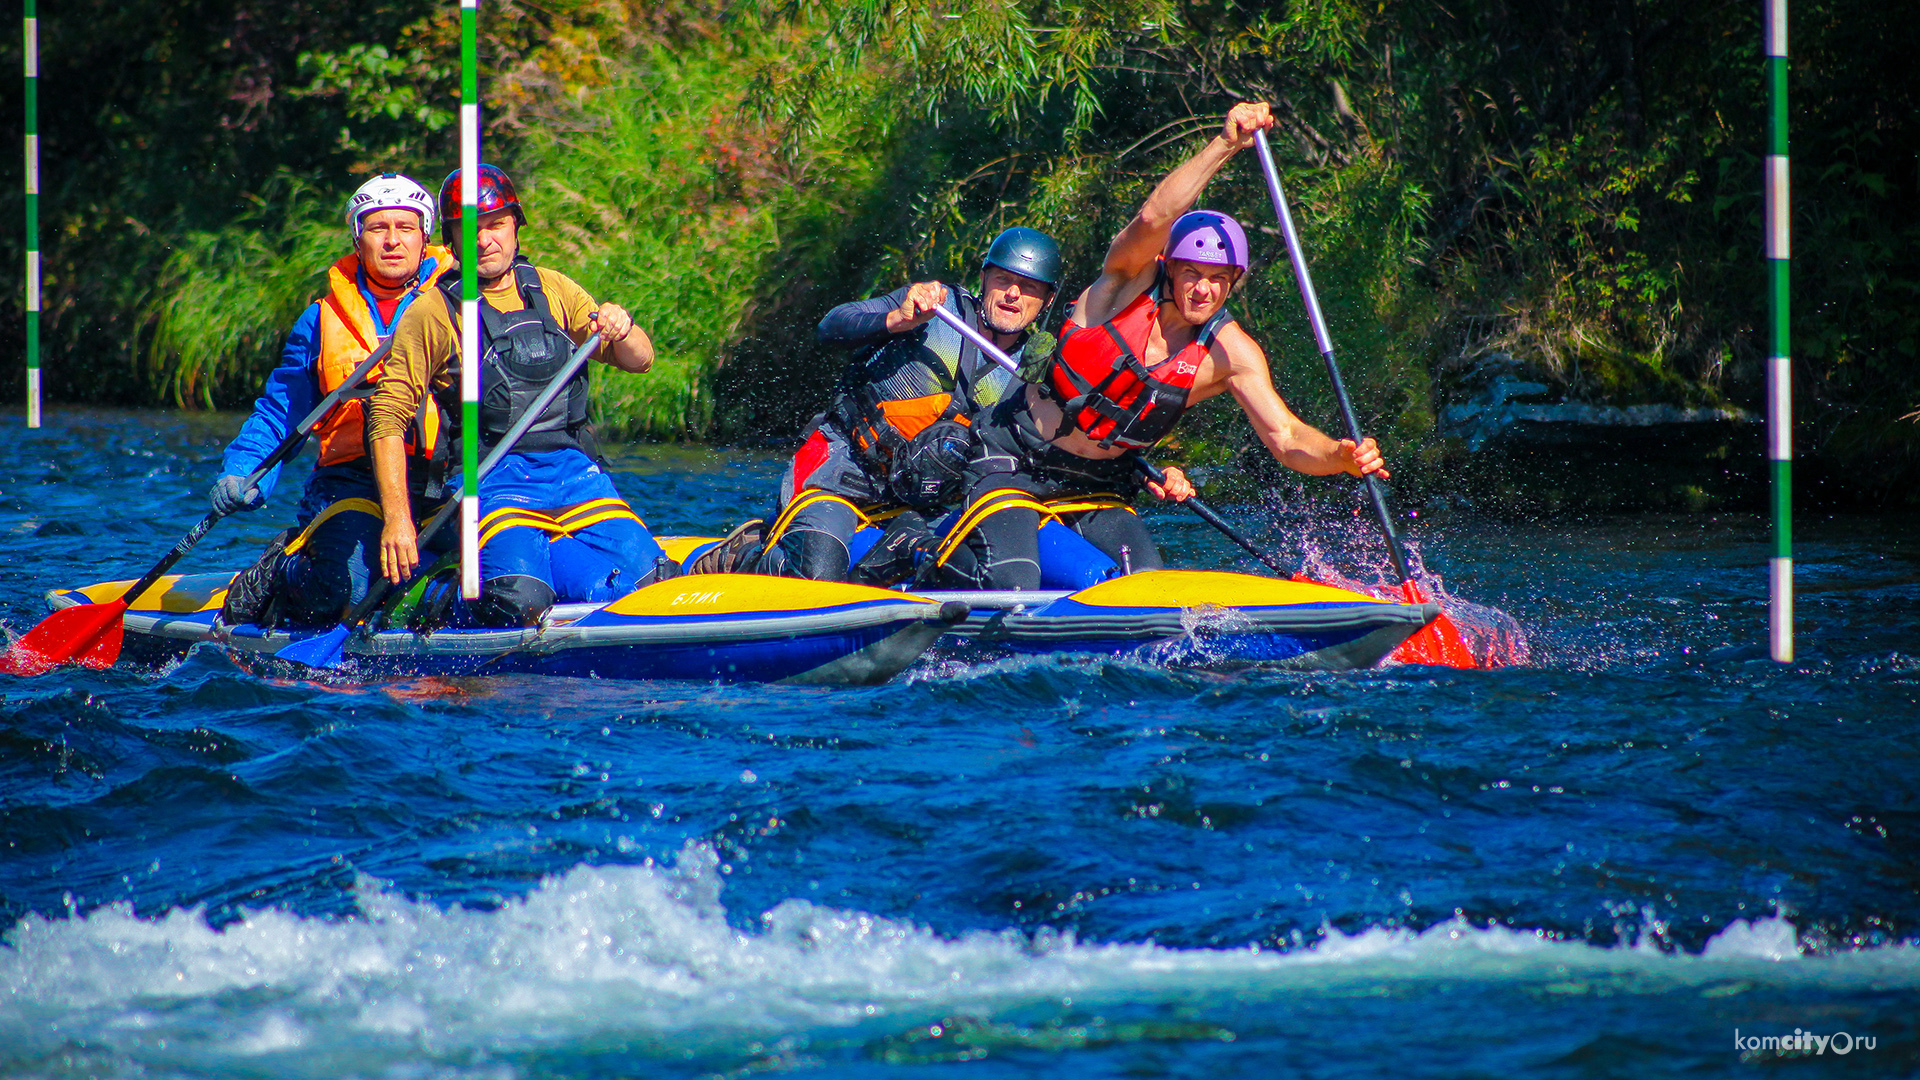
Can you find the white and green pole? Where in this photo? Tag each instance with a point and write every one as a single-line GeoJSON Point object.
{"type": "Point", "coordinates": [32, 52]}
{"type": "Point", "coordinates": [470, 298]}
{"type": "Point", "coordinates": [1779, 367]}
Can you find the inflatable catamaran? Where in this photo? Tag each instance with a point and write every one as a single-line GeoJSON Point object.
{"type": "Point", "coordinates": [748, 627]}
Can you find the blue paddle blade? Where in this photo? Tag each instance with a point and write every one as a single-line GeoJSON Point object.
{"type": "Point", "coordinates": [320, 650]}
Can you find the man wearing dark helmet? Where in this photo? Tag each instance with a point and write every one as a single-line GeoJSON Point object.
{"type": "Point", "coordinates": [894, 442]}
{"type": "Point", "coordinates": [1149, 339]}
{"type": "Point", "coordinates": [553, 527]}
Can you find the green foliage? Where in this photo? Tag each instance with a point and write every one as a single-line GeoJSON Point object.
{"type": "Point", "coordinates": [230, 294]}
{"type": "Point", "coordinates": [1576, 184]}
{"type": "Point", "coordinates": [659, 196]}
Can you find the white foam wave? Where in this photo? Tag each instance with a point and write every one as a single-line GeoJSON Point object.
{"type": "Point", "coordinates": [645, 954]}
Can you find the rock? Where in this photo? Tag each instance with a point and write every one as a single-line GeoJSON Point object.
{"type": "Point", "coordinates": [1480, 424]}
{"type": "Point", "coordinates": [1506, 400]}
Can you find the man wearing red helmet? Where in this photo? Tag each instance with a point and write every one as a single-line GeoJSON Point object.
{"type": "Point", "coordinates": [553, 527]}
{"type": "Point", "coordinates": [326, 561]}
{"type": "Point", "coordinates": [1148, 340]}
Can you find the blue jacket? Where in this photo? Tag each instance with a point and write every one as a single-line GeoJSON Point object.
{"type": "Point", "coordinates": [293, 388]}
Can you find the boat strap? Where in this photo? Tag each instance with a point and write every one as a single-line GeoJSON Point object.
{"type": "Point", "coordinates": [556, 524]}
{"type": "Point", "coordinates": [1000, 499]}
{"type": "Point", "coordinates": [362, 506]}
{"type": "Point", "coordinates": [813, 496]}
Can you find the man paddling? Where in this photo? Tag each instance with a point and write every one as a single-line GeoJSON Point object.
{"type": "Point", "coordinates": [553, 527]}
{"type": "Point", "coordinates": [894, 443]}
{"type": "Point", "coordinates": [314, 570]}
{"type": "Point", "coordinates": [1148, 340]}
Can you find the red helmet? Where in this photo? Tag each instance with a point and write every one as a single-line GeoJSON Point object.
{"type": "Point", "coordinates": [496, 192]}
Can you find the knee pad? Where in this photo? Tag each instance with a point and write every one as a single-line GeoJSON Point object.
{"type": "Point", "coordinates": [512, 600]}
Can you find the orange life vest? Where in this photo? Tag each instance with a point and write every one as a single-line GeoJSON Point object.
{"type": "Point", "coordinates": [347, 337]}
{"type": "Point", "coordinates": [1107, 391]}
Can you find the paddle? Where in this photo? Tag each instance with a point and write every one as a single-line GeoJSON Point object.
{"type": "Point", "coordinates": [1193, 503]}
{"type": "Point", "coordinates": [325, 650]}
{"type": "Point", "coordinates": [90, 634]}
{"type": "Point", "coordinates": [1440, 643]}
{"type": "Point", "coordinates": [1147, 468]}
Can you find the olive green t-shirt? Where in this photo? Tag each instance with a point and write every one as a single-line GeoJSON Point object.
{"type": "Point", "coordinates": [427, 342]}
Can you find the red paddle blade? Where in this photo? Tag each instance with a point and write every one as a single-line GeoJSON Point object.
{"type": "Point", "coordinates": [1438, 643]}
{"type": "Point", "coordinates": [87, 634]}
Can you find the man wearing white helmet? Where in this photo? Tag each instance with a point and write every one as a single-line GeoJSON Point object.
{"type": "Point", "coordinates": [314, 570]}
{"type": "Point", "coordinates": [1148, 340]}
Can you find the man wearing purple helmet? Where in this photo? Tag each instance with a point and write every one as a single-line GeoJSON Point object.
{"type": "Point", "coordinates": [1148, 340]}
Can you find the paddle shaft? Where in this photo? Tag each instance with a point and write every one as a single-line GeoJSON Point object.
{"type": "Point", "coordinates": [377, 592]}
{"type": "Point", "coordinates": [1325, 342]}
{"type": "Point", "coordinates": [288, 447]}
{"type": "Point", "coordinates": [1193, 503]}
{"type": "Point", "coordinates": [1147, 468]}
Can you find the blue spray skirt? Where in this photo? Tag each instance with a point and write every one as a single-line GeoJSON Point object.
{"type": "Point", "coordinates": [1189, 618]}
{"type": "Point", "coordinates": [729, 627]}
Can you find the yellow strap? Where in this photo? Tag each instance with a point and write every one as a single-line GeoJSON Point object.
{"type": "Point", "coordinates": [513, 518]}
{"type": "Point", "coordinates": [594, 506]}
{"type": "Point", "coordinates": [574, 525]}
{"type": "Point", "coordinates": [364, 506]}
{"type": "Point", "coordinates": [808, 498]}
{"type": "Point", "coordinates": [983, 508]}
{"type": "Point", "coordinates": [569, 521]}
{"type": "Point", "coordinates": [1081, 504]}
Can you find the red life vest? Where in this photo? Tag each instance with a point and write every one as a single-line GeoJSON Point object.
{"type": "Point", "coordinates": [1107, 391]}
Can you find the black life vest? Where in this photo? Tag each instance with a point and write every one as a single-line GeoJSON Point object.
{"type": "Point", "coordinates": [893, 391]}
{"type": "Point", "coordinates": [521, 352]}
{"type": "Point", "coordinates": [1107, 391]}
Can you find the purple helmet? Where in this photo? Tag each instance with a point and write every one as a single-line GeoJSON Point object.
{"type": "Point", "coordinates": [1208, 236]}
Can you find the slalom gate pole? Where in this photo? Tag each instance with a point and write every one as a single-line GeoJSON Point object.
{"type": "Point", "coordinates": [470, 297]}
{"type": "Point", "coordinates": [31, 51]}
{"type": "Point", "coordinates": [1779, 364]}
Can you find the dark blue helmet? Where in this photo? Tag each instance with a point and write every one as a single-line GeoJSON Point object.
{"type": "Point", "coordinates": [1027, 252]}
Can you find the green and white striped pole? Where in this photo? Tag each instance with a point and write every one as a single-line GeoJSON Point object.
{"type": "Point", "coordinates": [32, 52]}
{"type": "Point", "coordinates": [1779, 367]}
{"type": "Point", "coordinates": [470, 298]}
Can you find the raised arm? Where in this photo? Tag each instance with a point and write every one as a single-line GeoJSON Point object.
{"type": "Point", "coordinates": [1130, 258]}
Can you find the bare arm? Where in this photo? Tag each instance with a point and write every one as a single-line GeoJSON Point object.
{"type": "Point", "coordinates": [622, 344]}
{"type": "Point", "coordinates": [399, 542]}
{"type": "Point", "coordinates": [1239, 366]}
{"type": "Point", "coordinates": [1130, 258]}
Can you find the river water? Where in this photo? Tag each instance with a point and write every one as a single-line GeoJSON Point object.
{"type": "Point", "coordinates": [1637, 854]}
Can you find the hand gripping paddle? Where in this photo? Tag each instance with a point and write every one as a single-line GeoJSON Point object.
{"type": "Point", "coordinates": [90, 634]}
{"type": "Point", "coordinates": [1440, 641]}
{"type": "Point", "coordinates": [1147, 468]}
{"type": "Point", "coordinates": [324, 650]}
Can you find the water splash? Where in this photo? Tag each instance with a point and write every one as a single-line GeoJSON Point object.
{"type": "Point", "coordinates": [1495, 638]}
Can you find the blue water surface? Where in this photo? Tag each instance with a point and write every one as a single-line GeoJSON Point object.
{"type": "Point", "coordinates": [1637, 854]}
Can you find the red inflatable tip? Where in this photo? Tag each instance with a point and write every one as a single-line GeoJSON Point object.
{"type": "Point", "coordinates": [1439, 643]}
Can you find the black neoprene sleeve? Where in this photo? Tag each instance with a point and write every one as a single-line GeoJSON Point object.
{"type": "Point", "coordinates": [859, 321]}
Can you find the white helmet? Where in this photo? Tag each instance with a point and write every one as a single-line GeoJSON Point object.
{"type": "Point", "coordinates": [390, 191]}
